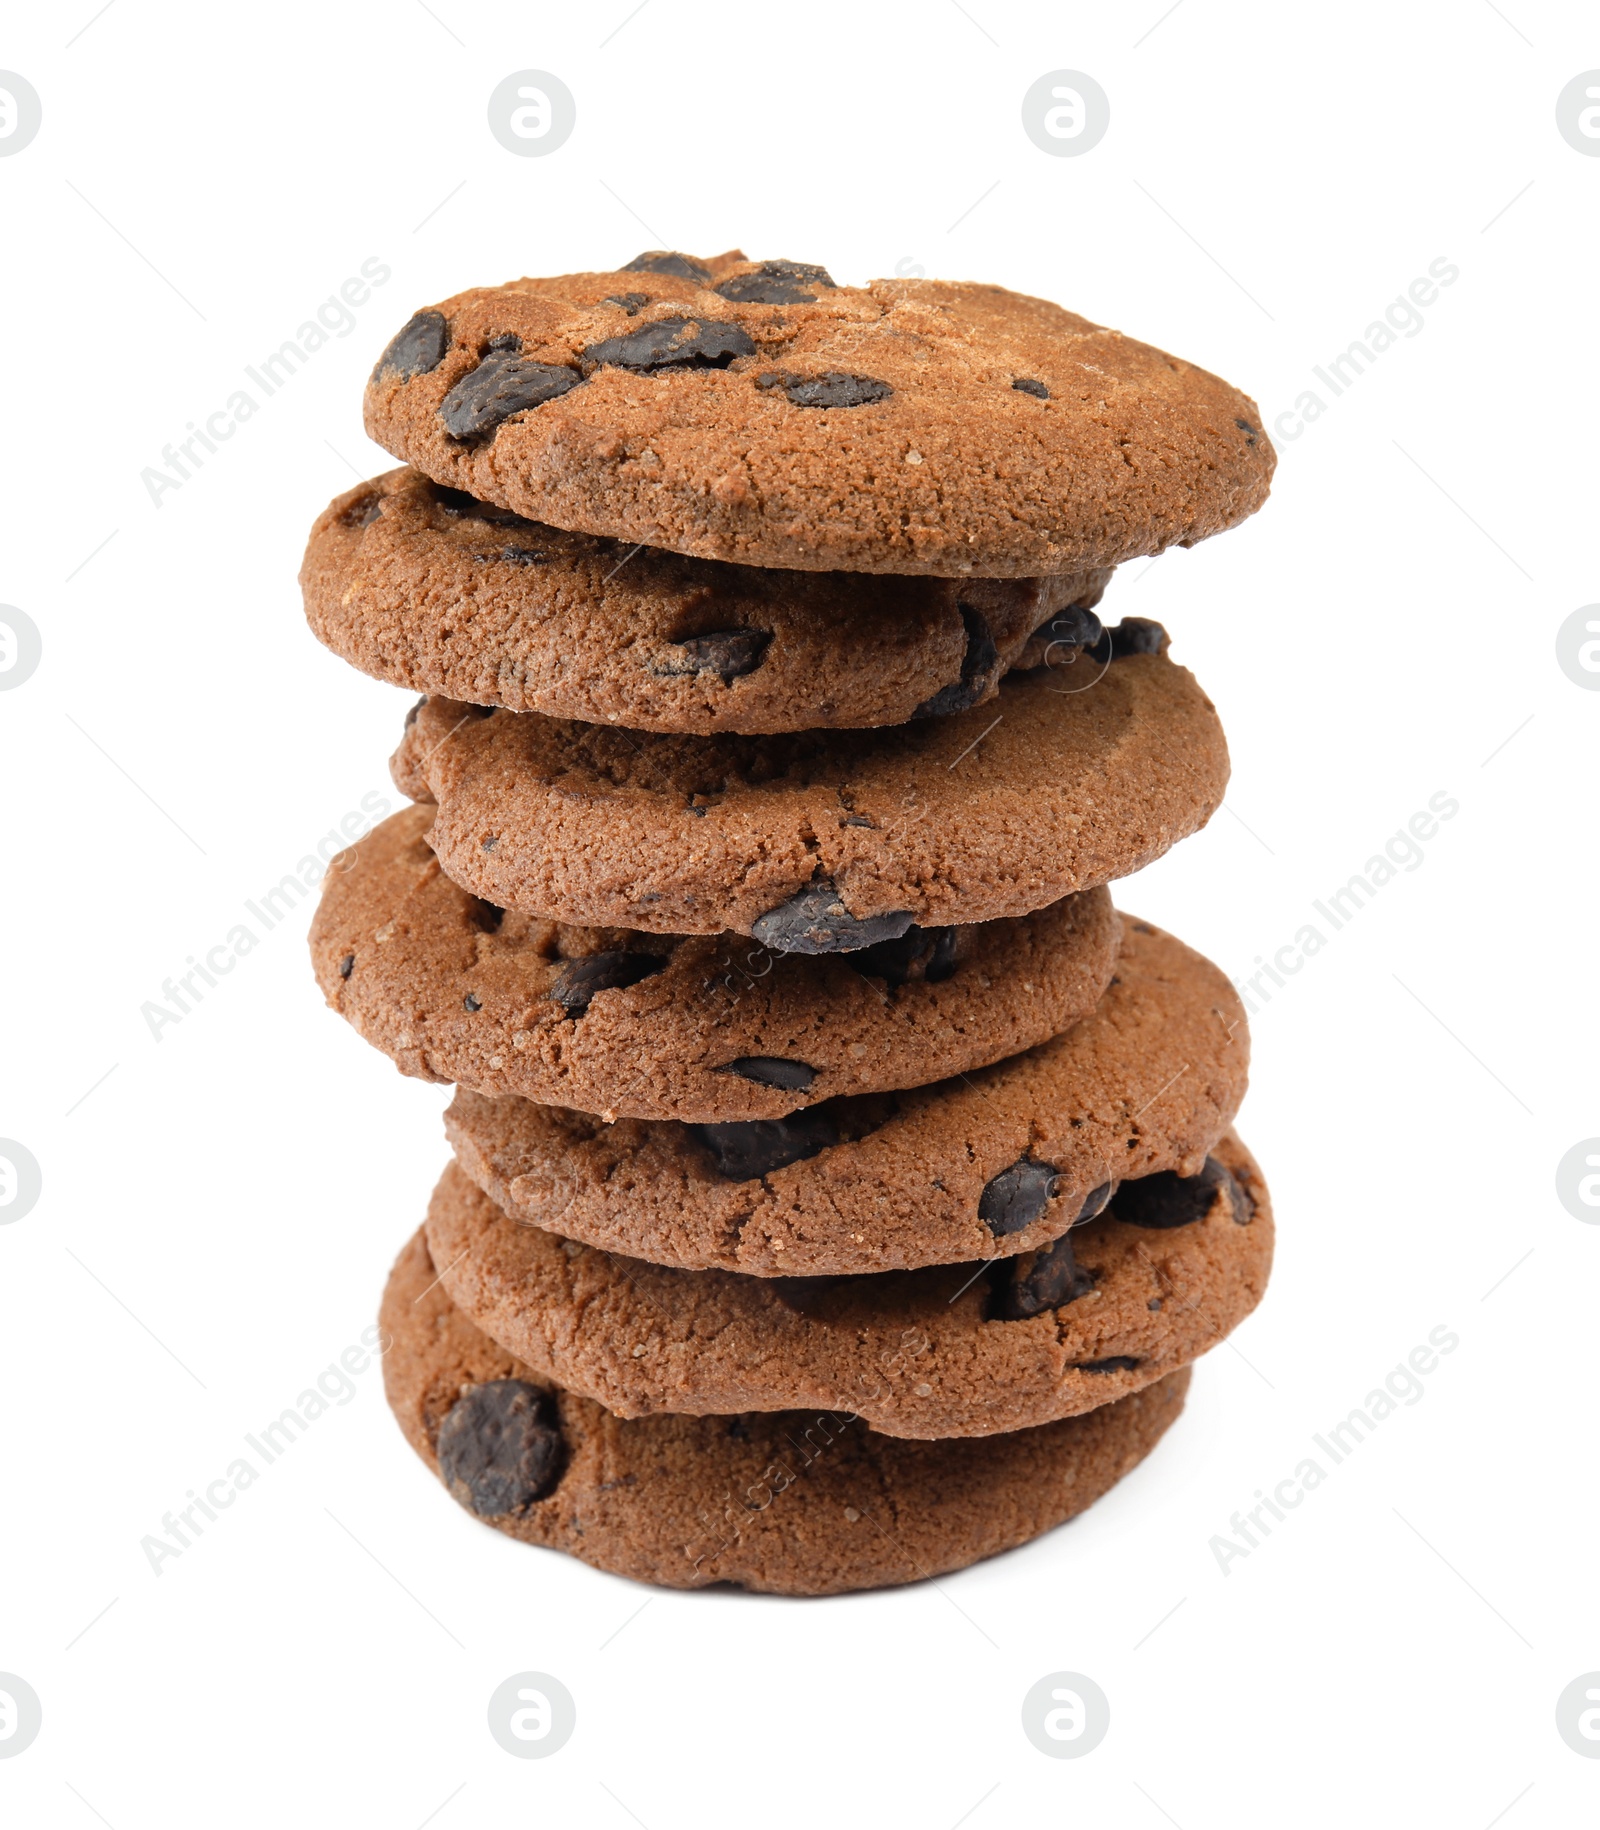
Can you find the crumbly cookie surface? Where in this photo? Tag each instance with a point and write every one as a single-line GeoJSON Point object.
{"type": "Point", "coordinates": [788, 1503]}
{"type": "Point", "coordinates": [911, 426]}
{"type": "Point", "coordinates": [951, 1350]}
{"type": "Point", "coordinates": [823, 841]}
{"type": "Point", "coordinates": [986, 1165]}
{"type": "Point", "coordinates": [695, 1028]}
{"type": "Point", "coordinates": [424, 587]}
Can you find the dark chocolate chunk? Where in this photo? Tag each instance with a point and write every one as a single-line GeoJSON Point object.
{"type": "Point", "coordinates": [772, 1071]}
{"type": "Point", "coordinates": [1133, 635]}
{"type": "Point", "coordinates": [1017, 1196]}
{"type": "Point", "coordinates": [417, 347]}
{"type": "Point", "coordinates": [458, 503]}
{"type": "Point", "coordinates": [658, 260]}
{"type": "Point", "coordinates": [738, 1430]}
{"type": "Point", "coordinates": [1074, 628]}
{"type": "Point", "coordinates": [1094, 1202]}
{"type": "Point", "coordinates": [1169, 1199]}
{"type": "Point", "coordinates": [347, 965]}
{"type": "Point", "coordinates": [501, 385]}
{"type": "Point", "coordinates": [1245, 427]}
{"type": "Point", "coordinates": [472, 1001]}
{"type": "Point", "coordinates": [673, 343]}
{"type": "Point", "coordinates": [835, 389]}
{"type": "Point", "coordinates": [579, 979]}
{"type": "Point", "coordinates": [756, 1147]}
{"type": "Point", "coordinates": [776, 283]}
{"type": "Point", "coordinates": [799, 1293]}
{"type": "Point", "coordinates": [1114, 1362]}
{"type": "Point", "coordinates": [499, 1448]}
{"type": "Point", "coordinates": [486, 915]}
{"type": "Point", "coordinates": [921, 953]}
{"type": "Point", "coordinates": [517, 555]}
{"type": "Point", "coordinates": [1037, 1281]}
{"type": "Point", "coordinates": [1025, 384]}
{"type": "Point", "coordinates": [629, 301]}
{"type": "Point", "coordinates": [729, 652]}
{"type": "Point", "coordinates": [980, 667]}
{"type": "Point", "coordinates": [816, 921]}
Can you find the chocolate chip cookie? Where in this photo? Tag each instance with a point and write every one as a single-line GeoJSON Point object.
{"type": "Point", "coordinates": [824, 841]}
{"type": "Point", "coordinates": [730, 410]}
{"type": "Point", "coordinates": [987, 1165]}
{"type": "Point", "coordinates": [950, 1350]}
{"type": "Point", "coordinates": [427, 588]}
{"type": "Point", "coordinates": [667, 1026]}
{"type": "Point", "coordinates": [788, 1503]}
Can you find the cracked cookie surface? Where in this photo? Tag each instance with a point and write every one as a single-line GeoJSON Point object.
{"type": "Point", "coordinates": [907, 426]}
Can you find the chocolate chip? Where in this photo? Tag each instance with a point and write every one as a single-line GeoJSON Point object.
{"type": "Point", "coordinates": [486, 915]}
{"type": "Point", "coordinates": [738, 1430]}
{"type": "Point", "coordinates": [658, 260]}
{"type": "Point", "coordinates": [517, 555]}
{"type": "Point", "coordinates": [980, 667]}
{"type": "Point", "coordinates": [629, 301]}
{"type": "Point", "coordinates": [457, 502]}
{"type": "Point", "coordinates": [1025, 384]}
{"type": "Point", "coordinates": [673, 343]}
{"type": "Point", "coordinates": [347, 965]}
{"type": "Point", "coordinates": [501, 385]}
{"type": "Point", "coordinates": [771, 1071]}
{"type": "Point", "coordinates": [756, 1147]}
{"type": "Point", "coordinates": [835, 389]}
{"type": "Point", "coordinates": [1245, 426]}
{"type": "Point", "coordinates": [799, 1293]}
{"type": "Point", "coordinates": [500, 1448]}
{"type": "Point", "coordinates": [1094, 1202]}
{"type": "Point", "coordinates": [816, 921]}
{"type": "Point", "coordinates": [1017, 1196]}
{"type": "Point", "coordinates": [1133, 635]}
{"type": "Point", "coordinates": [1169, 1199]}
{"type": "Point", "coordinates": [1037, 1281]}
{"type": "Point", "coordinates": [1116, 1362]}
{"type": "Point", "coordinates": [919, 953]}
{"type": "Point", "coordinates": [732, 653]}
{"type": "Point", "coordinates": [579, 979]}
{"type": "Point", "coordinates": [1075, 627]}
{"type": "Point", "coordinates": [417, 347]}
{"type": "Point", "coordinates": [776, 283]}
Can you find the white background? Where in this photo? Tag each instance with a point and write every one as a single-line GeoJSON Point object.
{"type": "Point", "coordinates": [218, 1215]}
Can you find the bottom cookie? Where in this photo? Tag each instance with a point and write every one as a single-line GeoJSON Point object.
{"type": "Point", "coordinates": [787, 1503]}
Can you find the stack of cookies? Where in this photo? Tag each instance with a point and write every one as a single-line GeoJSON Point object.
{"type": "Point", "coordinates": [842, 1187]}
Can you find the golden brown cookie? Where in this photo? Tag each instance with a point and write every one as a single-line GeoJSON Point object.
{"type": "Point", "coordinates": [950, 1350]}
{"type": "Point", "coordinates": [986, 1165]}
{"type": "Point", "coordinates": [823, 841]}
{"type": "Point", "coordinates": [788, 1503]}
{"type": "Point", "coordinates": [427, 588]}
{"type": "Point", "coordinates": [756, 412]}
{"type": "Point", "coordinates": [668, 1026]}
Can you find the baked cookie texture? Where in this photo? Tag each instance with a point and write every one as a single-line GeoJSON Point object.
{"type": "Point", "coordinates": [952, 1350]}
{"type": "Point", "coordinates": [698, 1028]}
{"type": "Point", "coordinates": [425, 587]}
{"type": "Point", "coordinates": [756, 412]}
{"type": "Point", "coordinates": [985, 1165]}
{"type": "Point", "coordinates": [822, 841]}
{"type": "Point", "coordinates": [786, 1503]}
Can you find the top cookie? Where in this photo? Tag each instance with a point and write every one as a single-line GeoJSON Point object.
{"type": "Point", "coordinates": [754, 411]}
